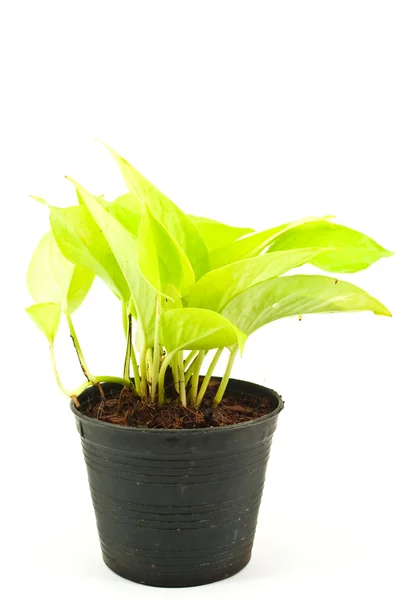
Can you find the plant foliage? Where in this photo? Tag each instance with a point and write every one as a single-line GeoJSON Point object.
{"type": "Point", "coordinates": [190, 284]}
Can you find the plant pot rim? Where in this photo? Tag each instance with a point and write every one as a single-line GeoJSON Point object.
{"type": "Point", "coordinates": [202, 430]}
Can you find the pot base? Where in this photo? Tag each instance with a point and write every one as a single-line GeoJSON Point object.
{"type": "Point", "coordinates": [178, 579]}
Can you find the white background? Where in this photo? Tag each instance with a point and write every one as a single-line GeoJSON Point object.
{"type": "Point", "coordinates": [251, 112]}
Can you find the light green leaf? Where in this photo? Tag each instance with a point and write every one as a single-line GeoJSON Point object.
{"type": "Point", "coordinates": [197, 329]}
{"type": "Point", "coordinates": [254, 244]}
{"type": "Point", "coordinates": [161, 259]}
{"type": "Point", "coordinates": [123, 209]}
{"type": "Point", "coordinates": [175, 221]}
{"type": "Point", "coordinates": [216, 234]}
{"type": "Point", "coordinates": [41, 279]}
{"type": "Point", "coordinates": [354, 250]}
{"type": "Point", "coordinates": [52, 278]}
{"type": "Point", "coordinates": [47, 318]}
{"type": "Point", "coordinates": [82, 242]}
{"type": "Point", "coordinates": [217, 288]}
{"type": "Point", "coordinates": [40, 200]}
{"type": "Point", "coordinates": [130, 203]}
{"type": "Point", "coordinates": [296, 295]}
{"type": "Point", "coordinates": [80, 285]}
{"type": "Point", "coordinates": [124, 248]}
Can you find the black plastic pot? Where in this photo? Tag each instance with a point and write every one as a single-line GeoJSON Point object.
{"type": "Point", "coordinates": [177, 508]}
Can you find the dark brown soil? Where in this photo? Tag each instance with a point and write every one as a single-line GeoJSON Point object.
{"type": "Point", "coordinates": [127, 409]}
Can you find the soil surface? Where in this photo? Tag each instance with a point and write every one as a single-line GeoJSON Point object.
{"type": "Point", "coordinates": [127, 409]}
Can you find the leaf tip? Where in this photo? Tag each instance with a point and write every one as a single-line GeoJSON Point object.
{"type": "Point", "coordinates": [39, 200]}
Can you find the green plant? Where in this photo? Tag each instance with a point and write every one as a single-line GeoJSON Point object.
{"type": "Point", "coordinates": [191, 284]}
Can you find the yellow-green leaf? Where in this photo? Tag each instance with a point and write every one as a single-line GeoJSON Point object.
{"type": "Point", "coordinates": [253, 244]}
{"type": "Point", "coordinates": [124, 248]}
{"type": "Point", "coordinates": [161, 259]}
{"type": "Point", "coordinates": [216, 234]}
{"type": "Point", "coordinates": [46, 316]}
{"type": "Point", "coordinates": [52, 278]}
{"type": "Point", "coordinates": [354, 250]}
{"type": "Point", "coordinates": [173, 219]}
{"type": "Point", "coordinates": [297, 295]}
{"type": "Point", "coordinates": [82, 242]}
{"type": "Point", "coordinates": [218, 287]}
{"type": "Point", "coordinates": [197, 329]}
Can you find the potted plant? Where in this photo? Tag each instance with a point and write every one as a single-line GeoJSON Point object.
{"type": "Point", "coordinates": [176, 460]}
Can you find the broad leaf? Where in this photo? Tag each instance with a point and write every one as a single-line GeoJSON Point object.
{"type": "Point", "coordinates": [296, 295]}
{"type": "Point", "coordinates": [161, 259]}
{"type": "Point", "coordinates": [197, 329]}
{"type": "Point", "coordinates": [175, 221]}
{"type": "Point", "coordinates": [82, 242]}
{"type": "Point", "coordinates": [217, 288]}
{"type": "Point", "coordinates": [47, 318]}
{"type": "Point", "coordinates": [80, 285]}
{"type": "Point", "coordinates": [354, 250]}
{"type": "Point", "coordinates": [125, 211]}
{"type": "Point", "coordinates": [254, 244]}
{"type": "Point", "coordinates": [52, 278]}
{"type": "Point", "coordinates": [124, 248]}
{"type": "Point", "coordinates": [216, 234]}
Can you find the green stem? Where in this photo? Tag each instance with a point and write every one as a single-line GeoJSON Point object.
{"type": "Point", "coordinates": [127, 325]}
{"type": "Point", "coordinates": [102, 379]}
{"type": "Point", "coordinates": [142, 368]}
{"type": "Point", "coordinates": [124, 314]}
{"type": "Point", "coordinates": [135, 367]}
{"type": "Point", "coordinates": [181, 377]}
{"type": "Point", "coordinates": [78, 391]}
{"type": "Point", "coordinates": [56, 373]}
{"type": "Point", "coordinates": [78, 350]}
{"type": "Point", "coordinates": [127, 359]}
{"type": "Point", "coordinates": [149, 365]}
{"type": "Point", "coordinates": [156, 350]}
{"type": "Point", "coordinates": [207, 377]}
{"type": "Point", "coordinates": [226, 377]}
{"type": "Point", "coordinates": [110, 379]}
{"type": "Point", "coordinates": [162, 374]}
{"type": "Point", "coordinates": [195, 378]}
{"type": "Point", "coordinates": [189, 359]}
{"type": "Point", "coordinates": [189, 372]}
{"type": "Point", "coordinates": [174, 368]}
{"type": "Point", "coordinates": [190, 369]}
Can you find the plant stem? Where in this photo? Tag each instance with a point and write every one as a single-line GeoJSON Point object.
{"type": "Point", "coordinates": [80, 355]}
{"type": "Point", "coordinates": [101, 379]}
{"type": "Point", "coordinates": [134, 363]}
{"type": "Point", "coordinates": [156, 349]}
{"type": "Point", "coordinates": [149, 367]}
{"type": "Point", "coordinates": [190, 369]}
{"type": "Point", "coordinates": [127, 325]}
{"type": "Point", "coordinates": [162, 374]}
{"type": "Point", "coordinates": [142, 368]}
{"type": "Point", "coordinates": [124, 314]}
{"type": "Point", "coordinates": [110, 379]}
{"type": "Point", "coordinates": [207, 377]}
{"type": "Point", "coordinates": [56, 373]}
{"type": "Point", "coordinates": [195, 378]}
{"type": "Point", "coordinates": [226, 377]}
{"type": "Point", "coordinates": [181, 377]}
{"type": "Point", "coordinates": [174, 368]}
{"type": "Point", "coordinates": [77, 347]}
{"type": "Point", "coordinates": [189, 359]}
{"type": "Point", "coordinates": [127, 359]}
